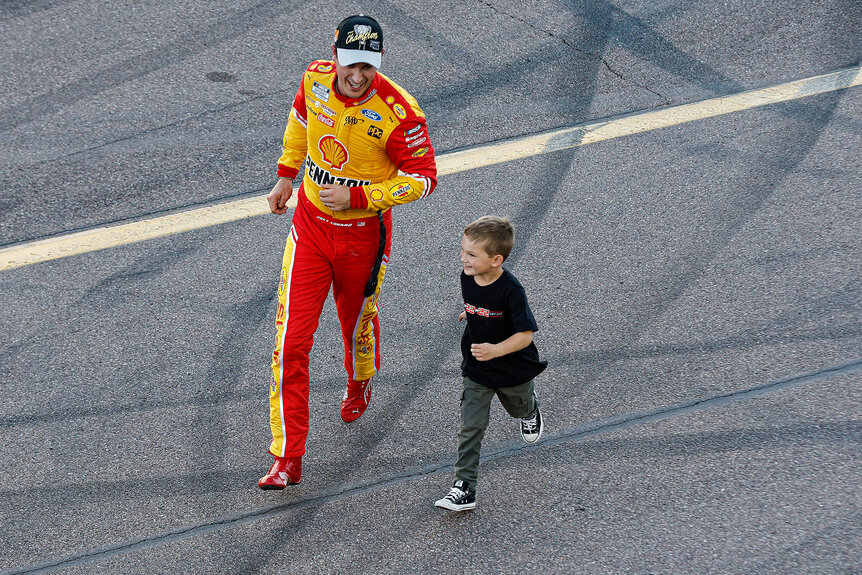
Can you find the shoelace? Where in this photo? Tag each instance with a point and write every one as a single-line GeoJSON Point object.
{"type": "Point", "coordinates": [529, 424]}
{"type": "Point", "coordinates": [455, 494]}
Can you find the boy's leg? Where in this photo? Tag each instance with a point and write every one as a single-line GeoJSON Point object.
{"type": "Point", "coordinates": [519, 401]}
{"type": "Point", "coordinates": [475, 411]}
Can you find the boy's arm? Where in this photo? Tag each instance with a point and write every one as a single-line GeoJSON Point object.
{"type": "Point", "coordinates": [515, 342]}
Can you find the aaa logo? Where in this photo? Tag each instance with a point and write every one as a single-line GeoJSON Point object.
{"type": "Point", "coordinates": [333, 151]}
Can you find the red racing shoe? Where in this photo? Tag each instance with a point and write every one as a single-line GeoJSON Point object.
{"type": "Point", "coordinates": [357, 396]}
{"type": "Point", "coordinates": [284, 471]}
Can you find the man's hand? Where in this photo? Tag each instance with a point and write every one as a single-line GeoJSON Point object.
{"type": "Point", "coordinates": [281, 192]}
{"type": "Point", "coordinates": [462, 316]}
{"type": "Point", "coordinates": [335, 197]}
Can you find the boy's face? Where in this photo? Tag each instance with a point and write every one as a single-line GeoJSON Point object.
{"type": "Point", "coordinates": [476, 260]}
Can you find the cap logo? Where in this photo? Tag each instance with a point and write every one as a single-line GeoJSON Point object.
{"type": "Point", "coordinates": [361, 33]}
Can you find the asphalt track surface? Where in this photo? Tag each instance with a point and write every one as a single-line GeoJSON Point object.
{"type": "Point", "coordinates": [697, 290]}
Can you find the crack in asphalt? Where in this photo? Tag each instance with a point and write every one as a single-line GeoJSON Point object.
{"type": "Point", "coordinates": [598, 56]}
{"type": "Point", "coordinates": [594, 428]}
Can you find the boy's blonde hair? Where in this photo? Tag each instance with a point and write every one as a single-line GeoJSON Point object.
{"type": "Point", "coordinates": [494, 233]}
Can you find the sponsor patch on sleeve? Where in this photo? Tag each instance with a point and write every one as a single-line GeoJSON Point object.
{"type": "Point", "coordinates": [400, 190]}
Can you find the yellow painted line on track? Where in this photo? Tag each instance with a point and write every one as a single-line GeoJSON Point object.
{"type": "Point", "coordinates": [123, 234]}
{"type": "Point", "coordinates": [451, 163]}
{"type": "Point", "coordinates": [636, 123]}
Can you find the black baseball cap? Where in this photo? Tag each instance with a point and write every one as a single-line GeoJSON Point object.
{"type": "Point", "coordinates": [359, 38]}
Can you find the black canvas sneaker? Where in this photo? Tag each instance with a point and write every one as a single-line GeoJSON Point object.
{"type": "Point", "coordinates": [459, 498]}
{"type": "Point", "coordinates": [532, 427]}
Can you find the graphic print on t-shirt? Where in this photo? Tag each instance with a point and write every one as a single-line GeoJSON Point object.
{"type": "Point", "coordinates": [481, 311]}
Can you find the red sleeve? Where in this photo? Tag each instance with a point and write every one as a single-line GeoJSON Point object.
{"type": "Point", "coordinates": [358, 201]}
{"type": "Point", "coordinates": [294, 142]}
{"type": "Point", "coordinates": [299, 102]}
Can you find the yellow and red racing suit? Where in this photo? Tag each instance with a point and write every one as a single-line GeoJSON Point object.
{"type": "Point", "coordinates": [378, 146]}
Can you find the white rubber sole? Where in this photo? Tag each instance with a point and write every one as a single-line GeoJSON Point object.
{"type": "Point", "coordinates": [446, 504]}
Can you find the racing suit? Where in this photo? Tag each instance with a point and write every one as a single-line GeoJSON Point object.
{"type": "Point", "coordinates": [378, 146]}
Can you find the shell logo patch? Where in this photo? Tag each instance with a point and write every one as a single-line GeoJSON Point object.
{"type": "Point", "coordinates": [376, 194]}
{"type": "Point", "coordinates": [390, 100]}
{"type": "Point", "coordinates": [333, 151]}
{"type": "Point", "coordinates": [399, 111]}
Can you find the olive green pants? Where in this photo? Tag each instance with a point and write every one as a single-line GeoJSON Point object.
{"type": "Point", "coordinates": [517, 400]}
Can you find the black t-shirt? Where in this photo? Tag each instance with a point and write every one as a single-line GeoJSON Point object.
{"type": "Point", "coordinates": [494, 313]}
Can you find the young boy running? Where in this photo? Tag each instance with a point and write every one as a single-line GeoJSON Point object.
{"type": "Point", "coordinates": [500, 358]}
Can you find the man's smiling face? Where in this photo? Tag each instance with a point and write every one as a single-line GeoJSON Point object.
{"type": "Point", "coordinates": [354, 80]}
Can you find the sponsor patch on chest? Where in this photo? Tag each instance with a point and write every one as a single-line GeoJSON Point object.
{"type": "Point", "coordinates": [325, 120]}
{"type": "Point", "coordinates": [320, 91]}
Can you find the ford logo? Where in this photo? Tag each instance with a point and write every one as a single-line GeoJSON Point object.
{"type": "Point", "coordinates": [371, 114]}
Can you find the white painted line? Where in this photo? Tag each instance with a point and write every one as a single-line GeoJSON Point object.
{"type": "Point", "coordinates": [451, 163]}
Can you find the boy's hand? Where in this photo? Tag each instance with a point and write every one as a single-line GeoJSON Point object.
{"type": "Point", "coordinates": [484, 351]}
{"type": "Point", "coordinates": [462, 316]}
{"type": "Point", "coordinates": [515, 342]}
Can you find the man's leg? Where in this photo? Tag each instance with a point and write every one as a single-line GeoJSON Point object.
{"type": "Point", "coordinates": [358, 314]}
{"type": "Point", "coordinates": [305, 279]}
{"type": "Point", "coordinates": [360, 325]}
